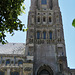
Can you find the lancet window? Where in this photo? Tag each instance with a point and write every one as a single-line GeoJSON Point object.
{"type": "Point", "coordinates": [43, 1]}
{"type": "Point", "coordinates": [38, 35]}
{"type": "Point", "coordinates": [44, 35]}
{"type": "Point", "coordinates": [38, 19]}
{"type": "Point", "coordinates": [49, 19]}
{"type": "Point", "coordinates": [50, 35]}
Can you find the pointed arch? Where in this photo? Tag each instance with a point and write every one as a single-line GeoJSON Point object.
{"type": "Point", "coordinates": [45, 69]}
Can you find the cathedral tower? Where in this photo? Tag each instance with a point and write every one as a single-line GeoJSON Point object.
{"type": "Point", "coordinates": [45, 38]}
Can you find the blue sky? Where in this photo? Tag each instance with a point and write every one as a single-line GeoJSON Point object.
{"type": "Point", "coordinates": [67, 8]}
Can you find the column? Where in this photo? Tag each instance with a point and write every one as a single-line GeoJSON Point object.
{"type": "Point", "coordinates": [21, 72]}
{"type": "Point", "coordinates": [8, 71]}
{"type": "Point", "coordinates": [5, 72]}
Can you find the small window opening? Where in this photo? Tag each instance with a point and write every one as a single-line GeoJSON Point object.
{"type": "Point", "coordinates": [49, 19]}
{"type": "Point", "coordinates": [61, 67]}
{"type": "Point", "coordinates": [44, 19]}
{"type": "Point", "coordinates": [49, 13]}
{"type": "Point", "coordinates": [38, 13]}
{"type": "Point", "coordinates": [38, 19]}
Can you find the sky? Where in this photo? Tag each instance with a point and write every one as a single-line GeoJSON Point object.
{"type": "Point", "coordinates": [67, 8]}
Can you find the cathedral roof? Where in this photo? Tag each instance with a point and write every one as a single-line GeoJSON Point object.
{"type": "Point", "coordinates": [12, 48]}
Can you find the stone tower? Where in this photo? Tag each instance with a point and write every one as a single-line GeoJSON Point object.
{"type": "Point", "coordinates": [45, 38]}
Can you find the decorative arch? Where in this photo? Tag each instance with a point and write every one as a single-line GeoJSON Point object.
{"type": "Point", "coordinates": [45, 69]}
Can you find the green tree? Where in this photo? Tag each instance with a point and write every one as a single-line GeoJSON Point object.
{"type": "Point", "coordinates": [73, 23]}
{"type": "Point", "coordinates": [9, 21]}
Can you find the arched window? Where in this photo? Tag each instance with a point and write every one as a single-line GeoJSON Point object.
{"type": "Point", "coordinates": [43, 1]}
{"type": "Point", "coordinates": [38, 35]}
{"type": "Point", "coordinates": [44, 35]}
{"type": "Point", "coordinates": [49, 19]}
{"type": "Point", "coordinates": [7, 61]}
{"type": "Point", "coordinates": [14, 73]}
{"type": "Point", "coordinates": [2, 73]}
{"type": "Point", "coordinates": [44, 19]}
{"type": "Point", "coordinates": [50, 35]}
{"type": "Point", "coordinates": [44, 72]}
{"type": "Point", "coordinates": [20, 62]}
{"type": "Point", "coordinates": [38, 19]}
{"type": "Point", "coordinates": [61, 67]}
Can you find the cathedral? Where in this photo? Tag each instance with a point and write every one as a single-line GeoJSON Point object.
{"type": "Point", "coordinates": [44, 52]}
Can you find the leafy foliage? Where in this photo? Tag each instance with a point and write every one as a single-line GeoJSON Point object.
{"type": "Point", "coordinates": [9, 21]}
{"type": "Point", "coordinates": [73, 23]}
